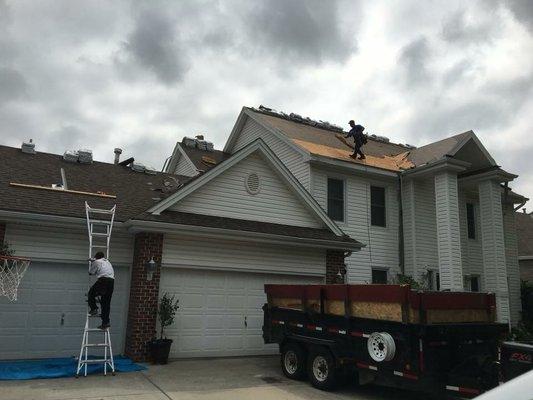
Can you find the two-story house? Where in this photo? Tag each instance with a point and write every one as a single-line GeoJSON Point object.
{"type": "Point", "coordinates": [442, 213]}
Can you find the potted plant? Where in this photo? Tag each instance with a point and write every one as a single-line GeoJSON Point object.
{"type": "Point", "coordinates": [160, 348]}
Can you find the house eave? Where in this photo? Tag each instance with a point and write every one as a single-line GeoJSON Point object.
{"type": "Point", "coordinates": [135, 226]}
{"type": "Point", "coordinates": [49, 219]}
{"type": "Point", "coordinates": [361, 168]}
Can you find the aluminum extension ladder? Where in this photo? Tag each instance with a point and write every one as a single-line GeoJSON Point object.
{"type": "Point", "coordinates": [99, 227]}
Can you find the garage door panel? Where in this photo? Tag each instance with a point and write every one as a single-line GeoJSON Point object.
{"type": "Point", "coordinates": [223, 317]}
{"type": "Point", "coordinates": [47, 319]}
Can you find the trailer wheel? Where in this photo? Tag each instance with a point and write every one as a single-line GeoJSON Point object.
{"type": "Point", "coordinates": [293, 360]}
{"type": "Point", "coordinates": [381, 346]}
{"type": "Point", "coordinates": [321, 369]}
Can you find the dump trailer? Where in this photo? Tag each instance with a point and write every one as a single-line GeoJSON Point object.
{"type": "Point", "coordinates": [444, 342]}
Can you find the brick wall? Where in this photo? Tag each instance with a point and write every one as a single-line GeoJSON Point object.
{"type": "Point", "coordinates": [334, 262]}
{"type": "Point", "coordinates": [142, 313]}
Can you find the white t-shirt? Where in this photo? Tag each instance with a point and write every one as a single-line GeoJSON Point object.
{"type": "Point", "coordinates": [102, 268]}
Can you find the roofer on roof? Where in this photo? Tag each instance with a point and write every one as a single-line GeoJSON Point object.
{"type": "Point", "coordinates": [103, 287]}
{"type": "Point", "coordinates": [359, 139]}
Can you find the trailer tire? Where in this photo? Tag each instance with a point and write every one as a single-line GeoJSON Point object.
{"type": "Point", "coordinates": [293, 361]}
{"type": "Point", "coordinates": [321, 369]}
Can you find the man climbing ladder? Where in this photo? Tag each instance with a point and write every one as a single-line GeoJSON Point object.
{"type": "Point", "coordinates": [103, 287]}
{"type": "Point", "coordinates": [99, 227]}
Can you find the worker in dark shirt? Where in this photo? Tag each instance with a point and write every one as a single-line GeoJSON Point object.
{"type": "Point", "coordinates": [359, 139]}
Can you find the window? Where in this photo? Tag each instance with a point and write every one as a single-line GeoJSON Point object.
{"type": "Point", "coordinates": [471, 221]}
{"type": "Point", "coordinates": [379, 276]}
{"type": "Point", "coordinates": [336, 199]}
{"type": "Point", "coordinates": [377, 206]}
{"type": "Point", "coordinates": [471, 283]}
{"type": "Point", "coordinates": [433, 280]}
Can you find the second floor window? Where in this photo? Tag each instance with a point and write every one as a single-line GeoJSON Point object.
{"type": "Point", "coordinates": [336, 199]}
{"type": "Point", "coordinates": [471, 221]}
{"type": "Point", "coordinates": [377, 206]}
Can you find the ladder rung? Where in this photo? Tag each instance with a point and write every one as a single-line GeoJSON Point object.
{"type": "Point", "coordinates": [100, 211]}
{"type": "Point", "coordinates": [96, 345]}
{"type": "Point", "coordinates": [101, 246]}
{"type": "Point", "coordinates": [96, 361]}
{"type": "Point", "coordinates": [97, 330]}
{"type": "Point", "coordinates": [99, 221]}
{"type": "Point", "coordinates": [100, 234]}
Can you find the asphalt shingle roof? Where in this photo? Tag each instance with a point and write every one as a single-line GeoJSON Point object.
{"type": "Point", "coordinates": [183, 218]}
{"type": "Point", "coordinates": [135, 191]}
{"type": "Point", "coordinates": [197, 157]}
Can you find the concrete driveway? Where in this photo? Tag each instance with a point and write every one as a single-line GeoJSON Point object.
{"type": "Point", "coordinates": [255, 378]}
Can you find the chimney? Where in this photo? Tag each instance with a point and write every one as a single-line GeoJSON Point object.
{"type": "Point", "coordinates": [117, 152]}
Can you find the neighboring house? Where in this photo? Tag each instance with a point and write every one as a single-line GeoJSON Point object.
{"type": "Point", "coordinates": [442, 213]}
{"type": "Point", "coordinates": [216, 239]}
{"type": "Point", "coordinates": [193, 156]}
{"type": "Point", "coordinates": [524, 227]}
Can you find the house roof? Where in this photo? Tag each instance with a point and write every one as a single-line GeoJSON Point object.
{"type": "Point", "coordinates": [182, 218]}
{"type": "Point", "coordinates": [135, 191]}
{"type": "Point", "coordinates": [524, 230]}
{"type": "Point", "coordinates": [203, 159]}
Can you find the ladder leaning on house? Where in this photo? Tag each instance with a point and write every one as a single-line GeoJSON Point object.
{"type": "Point", "coordinates": [99, 227]}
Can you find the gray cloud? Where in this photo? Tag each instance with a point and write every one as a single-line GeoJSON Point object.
{"type": "Point", "coordinates": [154, 45]}
{"type": "Point", "coordinates": [456, 29]}
{"type": "Point", "coordinates": [13, 86]}
{"type": "Point", "coordinates": [522, 10]}
{"type": "Point", "coordinates": [413, 58]}
{"type": "Point", "coordinates": [302, 31]}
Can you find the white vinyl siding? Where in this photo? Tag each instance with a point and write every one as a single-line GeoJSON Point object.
{"type": "Point", "coordinates": [448, 231]}
{"type": "Point", "coordinates": [53, 243]}
{"type": "Point", "coordinates": [292, 159]}
{"type": "Point", "coordinates": [226, 196]}
{"type": "Point", "coordinates": [381, 249]}
{"type": "Point", "coordinates": [242, 256]}
{"type": "Point", "coordinates": [513, 270]}
{"type": "Point", "coordinates": [185, 168]}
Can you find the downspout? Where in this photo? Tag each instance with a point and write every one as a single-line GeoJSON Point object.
{"type": "Point", "coordinates": [401, 246]}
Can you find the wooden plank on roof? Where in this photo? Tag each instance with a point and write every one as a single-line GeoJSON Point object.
{"type": "Point", "coordinates": [23, 185]}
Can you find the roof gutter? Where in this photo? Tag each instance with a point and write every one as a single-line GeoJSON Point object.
{"type": "Point", "coordinates": [18, 216]}
{"type": "Point", "coordinates": [135, 226]}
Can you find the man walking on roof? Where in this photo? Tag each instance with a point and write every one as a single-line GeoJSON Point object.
{"type": "Point", "coordinates": [103, 287]}
{"type": "Point", "coordinates": [359, 139]}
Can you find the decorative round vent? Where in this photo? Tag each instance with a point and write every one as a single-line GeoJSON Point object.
{"type": "Point", "coordinates": [252, 183]}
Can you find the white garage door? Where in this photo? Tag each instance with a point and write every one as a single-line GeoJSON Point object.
{"type": "Point", "coordinates": [48, 318]}
{"type": "Point", "coordinates": [220, 312]}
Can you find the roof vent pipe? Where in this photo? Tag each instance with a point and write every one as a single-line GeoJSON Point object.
{"type": "Point", "coordinates": [118, 152]}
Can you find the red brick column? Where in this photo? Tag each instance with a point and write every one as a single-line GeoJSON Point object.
{"type": "Point", "coordinates": [142, 313]}
{"type": "Point", "coordinates": [334, 263]}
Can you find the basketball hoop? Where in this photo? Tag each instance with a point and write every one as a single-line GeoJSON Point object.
{"type": "Point", "coordinates": [12, 269]}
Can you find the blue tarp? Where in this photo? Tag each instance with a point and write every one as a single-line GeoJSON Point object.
{"type": "Point", "coordinates": [58, 368]}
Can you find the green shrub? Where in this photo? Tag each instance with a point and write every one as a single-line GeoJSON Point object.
{"type": "Point", "coordinates": [167, 310]}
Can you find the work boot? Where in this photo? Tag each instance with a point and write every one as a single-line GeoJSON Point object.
{"type": "Point", "coordinates": [362, 157]}
{"type": "Point", "coordinates": [104, 326]}
{"type": "Point", "coordinates": [354, 156]}
{"type": "Point", "coordinates": [93, 313]}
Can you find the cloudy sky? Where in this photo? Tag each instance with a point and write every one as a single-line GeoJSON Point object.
{"type": "Point", "coordinates": [141, 75]}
